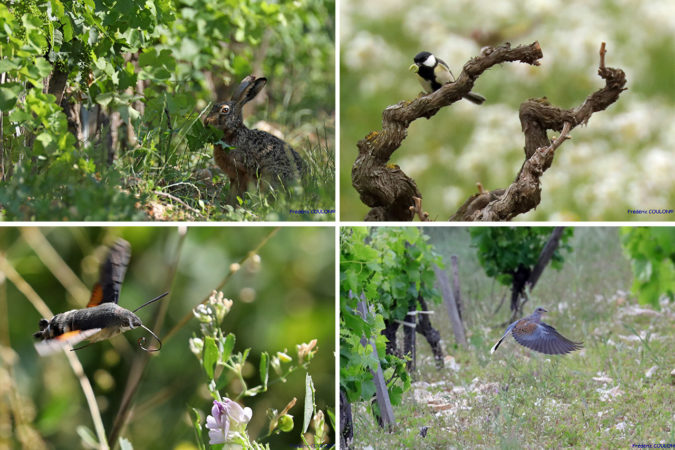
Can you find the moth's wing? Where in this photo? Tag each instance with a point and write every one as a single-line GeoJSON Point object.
{"type": "Point", "coordinates": [112, 273]}
{"type": "Point", "coordinates": [96, 296]}
{"type": "Point", "coordinates": [65, 340]}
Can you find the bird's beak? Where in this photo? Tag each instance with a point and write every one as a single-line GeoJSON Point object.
{"type": "Point", "coordinates": [545, 310]}
{"type": "Point", "coordinates": [414, 68]}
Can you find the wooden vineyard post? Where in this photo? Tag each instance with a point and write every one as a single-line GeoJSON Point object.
{"type": "Point", "coordinates": [455, 289]}
{"type": "Point", "coordinates": [451, 305]}
{"type": "Point", "coordinates": [382, 395]}
{"type": "Point", "coordinates": [409, 344]}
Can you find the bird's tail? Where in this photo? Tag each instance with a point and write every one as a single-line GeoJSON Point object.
{"type": "Point", "coordinates": [475, 98]}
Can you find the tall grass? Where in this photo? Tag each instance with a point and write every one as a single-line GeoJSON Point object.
{"type": "Point", "coordinates": [599, 397]}
{"type": "Point", "coordinates": [175, 171]}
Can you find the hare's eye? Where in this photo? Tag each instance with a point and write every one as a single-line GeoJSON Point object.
{"type": "Point", "coordinates": [225, 109]}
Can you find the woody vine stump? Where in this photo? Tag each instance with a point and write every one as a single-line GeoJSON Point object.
{"type": "Point", "coordinates": [394, 196]}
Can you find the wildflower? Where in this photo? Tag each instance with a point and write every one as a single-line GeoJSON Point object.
{"type": "Point", "coordinates": [203, 313]}
{"type": "Point", "coordinates": [227, 423]}
{"type": "Point", "coordinates": [305, 351]}
{"type": "Point", "coordinates": [284, 357]}
{"type": "Point", "coordinates": [276, 364]}
{"type": "Point", "coordinates": [196, 346]}
{"type": "Point", "coordinates": [220, 304]}
{"type": "Point", "coordinates": [319, 422]}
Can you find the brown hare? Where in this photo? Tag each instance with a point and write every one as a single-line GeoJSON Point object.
{"type": "Point", "coordinates": [247, 155]}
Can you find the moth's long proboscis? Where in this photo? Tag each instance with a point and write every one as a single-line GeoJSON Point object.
{"type": "Point", "coordinates": [142, 340]}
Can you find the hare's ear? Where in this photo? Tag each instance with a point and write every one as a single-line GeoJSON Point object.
{"type": "Point", "coordinates": [255, 89]}
{"type": "Point", "coordinates": [242, 88]}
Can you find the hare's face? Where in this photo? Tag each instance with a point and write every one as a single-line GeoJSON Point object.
{"type": "Point", "coordinates": [224, 116]}
{"type": "Point", "coordinates": [220, 114]}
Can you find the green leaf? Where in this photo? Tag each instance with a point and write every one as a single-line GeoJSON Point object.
{"type": "Point", "coordinates": [34, 73]}
{"type": "Point", "coordinates": [309, 403]}
{"type": "Point", "coordinates": [45, 138]}
{"type": "Point", "coordinates": [269, 8]}
{"type": "Point", "coordinates": [156, 66]}
{"type": "Point", "coordinates": [7, 64]}
{"type": "Point", "coordinates": [127, 77]}
{"type": "Point", "coordinates": [131, 113]}
{"type": "Point", "coordinates": [228, 346]}
{"type": "Point", "coordinates": [188, 49]}
{"type": "Point", "coordinates": [105, 98]}
{"type": "Point", "coordinates": [36, 42]}
{"type": "Point", "coordinates": [58, 9]}
{"type": "Point", "coordinates": [88, 437]}
{"type": "Point", "coordinates": [31, 23]}
{"type": "Point", "coordinates": [162, 74]}
{"type": "Point", "coordinates": [9, 94]}
{"type": "Point", "coordinates": [104, 66]}
{"type": "Point", "coordinates": [264, 368]}
{"type": "Point", "coordinates": [197, 424]}
{"type": "Point", "coordinates": [19, 115]}
{"type": "Point", "coordinates": [125, 444]}
{"type": "Point", "coordinates": [642, 270]}
{"type": "Point", "coordinates": [43, 66]}
{"type": "Point", "coordinates": [652, 253]}
{"type": "Point", "coordinates": [223, 379]}
{"type": "Point", "coordinates": [67, 29]}
{"type": "Point", "coordinates": [210, 356]}
{"type": "Point", "coordinates": [147, 58]}
{"type": "Point", "coordinates": [66, 142]}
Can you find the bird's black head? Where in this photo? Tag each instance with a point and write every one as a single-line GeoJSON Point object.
{"type": "Point", "coordinates": [421, 57]}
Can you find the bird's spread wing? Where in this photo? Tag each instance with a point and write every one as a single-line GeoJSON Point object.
{"type": "Point", "coordinates": [543, 338]}
{"type": "Point", "coordinates": [508, 330]}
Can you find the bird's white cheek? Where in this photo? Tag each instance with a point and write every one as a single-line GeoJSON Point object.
{"type": "Point", "coordinates": [431, 61]}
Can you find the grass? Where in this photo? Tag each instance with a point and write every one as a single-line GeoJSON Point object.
{"type": "Point", "coordinates": [600, 397]}
{"type": "Point", "coordinates": [187, 185]}
{"type": "Point", "coordinates": [169, 174]}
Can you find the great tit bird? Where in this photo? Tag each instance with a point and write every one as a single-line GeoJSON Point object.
{"type": "Point", "coordinates": [433, 73]}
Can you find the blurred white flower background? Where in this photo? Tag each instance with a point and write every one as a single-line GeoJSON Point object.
{"type": "Point", "coordinates": [625, 157]}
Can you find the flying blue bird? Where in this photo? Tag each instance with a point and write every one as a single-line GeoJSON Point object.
{"type": "Point", "coordinates": [532, 333]}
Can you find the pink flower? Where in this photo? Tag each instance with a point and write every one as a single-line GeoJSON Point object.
{"type": "Point", "coordinates": [227, 423]}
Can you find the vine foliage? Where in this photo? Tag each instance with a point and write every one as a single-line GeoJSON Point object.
{"type": "Point", "coordinates": [100, 108]}
{"type": "Point", "coordinates": [391, 267]}
{"type": "Point", "coordinates": [652, 254]}
{"type": "Point", "coordinates": [503, 250]}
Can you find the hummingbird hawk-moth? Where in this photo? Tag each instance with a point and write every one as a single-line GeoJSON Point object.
{"type": "Point", "coordinates": [103, 318]}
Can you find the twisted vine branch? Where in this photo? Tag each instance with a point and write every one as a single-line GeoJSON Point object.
{"type": "Point", "coordinates": [391, 194]}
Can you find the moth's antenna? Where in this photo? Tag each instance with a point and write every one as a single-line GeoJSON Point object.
{"type": "Point", "coordinates": [141, 340]}
{"type": "Point", "coordinates": [151, 301]}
